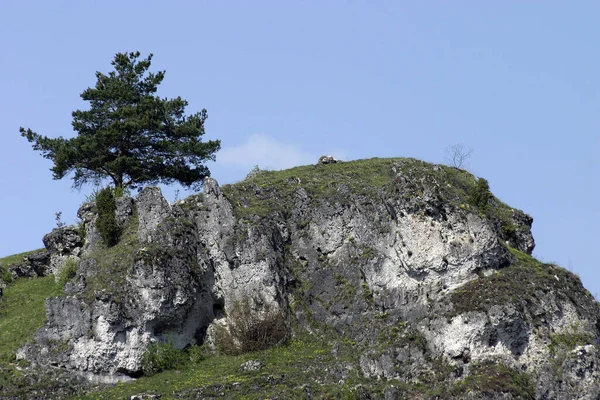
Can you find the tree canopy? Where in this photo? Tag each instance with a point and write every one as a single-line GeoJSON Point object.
{"type": "Point", "coordinates": [129, 134]}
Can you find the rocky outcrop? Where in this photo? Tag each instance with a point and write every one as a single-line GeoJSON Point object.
{"type": "Point", "coordinates": [387, 253]}
{"type": "Point", "coordinates": [324, 159]}
{"type": "Point", "coordinates": [33, 265]}
{"type": "Point", "coordinates": [63, 244]}
{"type": "Point", "coordinates": [128, 296]}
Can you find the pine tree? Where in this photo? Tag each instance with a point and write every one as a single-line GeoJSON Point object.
{"type": "Point", "coordinates": [130, 135]}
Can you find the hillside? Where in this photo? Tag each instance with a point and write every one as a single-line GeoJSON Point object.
{"type": "Point", "coordinates": [380, 278]}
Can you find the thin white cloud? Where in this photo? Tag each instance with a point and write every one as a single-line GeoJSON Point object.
{"type": "Point", "coordinates": [266, 152]}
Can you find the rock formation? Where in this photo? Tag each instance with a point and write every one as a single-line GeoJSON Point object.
{"type": "Point", "coordinates": [388, 253]}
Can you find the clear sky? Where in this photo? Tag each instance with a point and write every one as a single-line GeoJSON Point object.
{"type": "Point", "coordinates": [287, 81]}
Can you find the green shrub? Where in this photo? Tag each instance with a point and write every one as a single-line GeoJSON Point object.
{"type": "Point", "coordinates": [196, 354]}
{"type": "Point", "coordinates": [249, 330]}
{"type": "Point", "coordinates": [6, 276]}
{"type": "Point", "coordinates": [480, 195]}
{"type": "Point", "coordinates": [162, 357]}
{"type": "Point", "coordinates": [107, 221]}
{"type": "Point", "coordinates": [81, 229]}
{"type": "Point", "coordinates": [66, 273]}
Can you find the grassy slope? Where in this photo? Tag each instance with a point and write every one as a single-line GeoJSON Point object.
{"type": "Point", "coordinates": [269, 190]}
{"type": "Point", "coordinates": [286, 369]}
{"type": "Point", "coordinates": [15, 258]}
{"type": "Point", "coordinates": [22, 309]}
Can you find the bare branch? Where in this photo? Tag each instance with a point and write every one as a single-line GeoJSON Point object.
{"type": "Point", "coordinates": [457, 155]}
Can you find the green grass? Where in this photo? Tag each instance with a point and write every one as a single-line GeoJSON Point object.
{"type": "Point", "coordinates": [271, 190]}
{"type": "Point", "coordinates": [286, 369]}
{"type": "Point", "coordinates": [22, 312]}
{"type": "Point", "coordinates": [310, 362]}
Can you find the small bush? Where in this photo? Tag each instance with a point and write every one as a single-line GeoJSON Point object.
{"type": "Point", "coordinates": [66, 273]}
{"type": "Point", "coordinates": [107, 221]}
{"type": "Point", "coordinates": [162, 357]}
{"type": "Point", "coordinates": [480, 195]}
{"type": "Point", "coordinates": [81, 229]}
{"type": "Point", "coordinates": [117, 192]}
{"type": "Point", "coordinates": [196, 354]}
{"type": "Point", "coordinates": [6, 276]}
{"type": "Point", "coordinates": [250, 330]}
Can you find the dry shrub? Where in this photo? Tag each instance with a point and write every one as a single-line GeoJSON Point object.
{"type": "Point", "coordinates": [250, 330]}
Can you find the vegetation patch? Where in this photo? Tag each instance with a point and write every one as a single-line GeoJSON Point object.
{"type": "Point", "coordinates": [452, 184]}
{"type": "Point", "coordinates": [490, 379]}
{"type": "Point", "coordinates": [16, 258]}
{"type": "Point", "coordinates": [5, 262]}
{"type": "Point", "coordinates": [162, 357]}
{"type": "Point", "coordinates": [480, 195]}
{"type": "Point", "coordinates": [110, 265]}
{"type": "Point", "coordinates": [107, 220]}
{"type": "Point", "coordinates": [270, 191]}
{"type": "Point", "coordinates": [400, 334]}
{"type": "Point", "coordinates": [523, 284]}
{"type": "Point", "coordinates": [567, 340]}
{"type": "Point", "coordinates": [305, 364]}
{"type": "Point", "coordinates": [22, 312]}
{"type": "Point", "coordinates": [66, 273]}
{"type": "Point", "coordinates": [274, 192]}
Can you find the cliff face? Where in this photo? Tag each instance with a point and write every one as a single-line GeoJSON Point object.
{"type": "Point", "coordinates": [391, 254]}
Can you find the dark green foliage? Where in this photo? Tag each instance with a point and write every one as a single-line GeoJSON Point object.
{"type": "Point", "coordinates": [129, 134]}
{"type": "Point", "coordinates": [162, 357]}
{"type": "Point", "coordinates": [107, 221]}
{"type": "Point", "coordinates": [481, 195]}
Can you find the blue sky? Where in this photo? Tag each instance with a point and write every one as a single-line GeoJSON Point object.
{"type": "Point", "coordinates": [285, 82]}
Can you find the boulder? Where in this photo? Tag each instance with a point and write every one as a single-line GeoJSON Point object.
{"type": "Point", "coordinates": [61, 244]}
{"type": "Point", "coordinates": [327, 160]}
